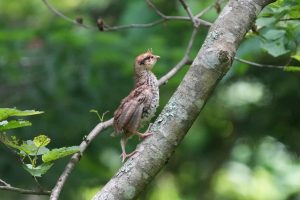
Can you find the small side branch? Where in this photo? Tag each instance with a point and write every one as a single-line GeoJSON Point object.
{"type": "Point", "coordinates": [205, 10]}
{"type": "Point", "coordinates": [107, 28]}
{"type": "Point", "coordinates": [68, 19]}
{"type": "Point", "coordinates": [189, 12]}
{"type": "Point", "coordinates": [290, 19]}
{"type": "Point", "coordinates": [185, 60]}
{"type": "Point", "coordinates": [8, 187]}
{"type": "Point", "coordinates": [258, 64]}
{"type": "Point", "coordinates": [76, 157]}
{"type": "Point", "coordinates": [155, 9]}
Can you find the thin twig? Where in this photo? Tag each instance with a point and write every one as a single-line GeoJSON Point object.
{"type": "Point", "coordinates": [151, 24]}
{"type": "Point", "coordinates": [77, 156]}
{"type": "Point", "coordinates": [189, 12]}
{"type": "Point", "coordinates": [4, 183]}
{"type": "Point", "coordinates": [258, 64]}
{"type": "Point", "coordinates": [167, 17]}
{"type": "Point", "coordinates": [56, 12]}
{"type": "Point", "coordinates": [182, 62]}
{"type": "Point", "coordinates": [155, 9]}
{"type": "Point", "coordinates": [290, 19]}
{"type": "Point", "coordinates": [146, 25]}
{"type": "Point", "coordinates": [163, 19]}
{"type": "Point", "coordinates": [6, 186]}
{"type": "Point", "coordinates": [205, 10]}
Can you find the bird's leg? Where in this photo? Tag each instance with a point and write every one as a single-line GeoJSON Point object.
{"type": "Point", "coordinates": [143, 135]}
{"type": "Point", "coordinates": [123, 145]}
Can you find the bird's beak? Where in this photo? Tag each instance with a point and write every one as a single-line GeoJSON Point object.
{"type": "Point", "coordinates": [157, 57]}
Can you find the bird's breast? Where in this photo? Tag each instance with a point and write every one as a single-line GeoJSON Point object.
{"type": "Point", "coordinates": [150, 109]}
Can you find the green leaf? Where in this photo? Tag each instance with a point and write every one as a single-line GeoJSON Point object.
{"type": "Point", "coordinates": [264, 21]}
{"type": "Point", "coordinates": [274, 34]}
{"type": "Point", "coordinates": [41, 141]}
{"type": "Point", "coordinates": [8, 112]}
{"type": "Point", "coordinates": [6, 125]}
{"type": "Point", "coordinates": [55, 154]}
{"type": "Point", "coordinates": [26, 148]}
{"type": "Point", "coordinates": [296, 57]}
{"type": "Point", "coordinates": [10, 141]}
{"type": "Point", "coordinates": [291, 69]}
{"type": "Point", "coordinates": [39, 170]}
{"type": "Point", "coordinates": [30, 148]}
{"type": "Point", "coordinates": [275, 48]}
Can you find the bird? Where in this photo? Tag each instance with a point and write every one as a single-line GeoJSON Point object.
{"type": "Point", "coordinates": [140, 105]}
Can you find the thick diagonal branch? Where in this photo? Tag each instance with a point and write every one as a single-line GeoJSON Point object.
{"type": "Point", "coordinates": [212, 62]}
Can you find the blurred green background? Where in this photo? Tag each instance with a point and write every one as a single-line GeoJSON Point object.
{"type": "Point", "coordinates": [244, 146]}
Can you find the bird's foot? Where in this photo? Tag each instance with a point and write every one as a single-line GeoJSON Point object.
{"type": "Point", "coordinates": [125, 156]}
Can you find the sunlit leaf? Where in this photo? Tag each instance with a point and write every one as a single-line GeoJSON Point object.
{"type": "Point", "coordinates": [291, 69]}
{"type": "Point", "coordinates": [41, 141]}
{"type": "Point", "coordinates": [6, 125]}
{"type": "Point", "coordinates": [8, 112]}
{"type": "Point", "coordinates": [26, 148]}
{"type": "Point", "coordinates": [30, 148]}
{"type": "Point", "coordinates": [39, 170]}
{"type": "Point", "coordinates": [55, 154]}
{"type": "Point", "coordinates": [297, 57]}
{"type": "Point", "coordinates": [10, 141]}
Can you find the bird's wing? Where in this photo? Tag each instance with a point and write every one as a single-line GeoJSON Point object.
{"type": "Point", "coordinates": [129, 113]}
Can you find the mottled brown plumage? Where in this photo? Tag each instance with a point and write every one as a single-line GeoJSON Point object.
{"type": "Point", "coordinates": [140, 105]}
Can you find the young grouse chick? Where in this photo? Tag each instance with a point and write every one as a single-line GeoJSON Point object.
{"type": "Point", "coordinates": [140, 105]}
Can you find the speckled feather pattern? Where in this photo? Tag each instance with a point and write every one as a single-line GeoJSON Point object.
{"type": "Point", "coordinates": [140, 105]}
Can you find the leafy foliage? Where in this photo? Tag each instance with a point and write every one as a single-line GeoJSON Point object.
{"type": "Point", "coordinates": [10, 112]}
{"type": "Point", "coordinates": [6, 125]}
{"type": "Point", "coordinates": [279, 28]}
{"type": "Point", "coordinates": [55, 154]}
{"type": "Point", "coordinates": [41, 141]}
{"type": "Point", "coordinates": [30, 150]}
{"type": "Point", "coordinates": [37, 171]}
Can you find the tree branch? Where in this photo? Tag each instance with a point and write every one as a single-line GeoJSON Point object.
{"type": "Point", "coordinates": [258, 64]}
{"type": "Point", "coordinates": [189, 12]}
{"type": "Point", "coordinates": [56, 12]}
{"type": "Point", "coordinates": [103, 125]}
{"type": "Point", "coordinates": [200, 14]}
{"type": "Point", "coordinates": [105, 28]}
{"type": "Point", "coordinates": [182, 62]}
{"type": "Point", "coordinates": [155, 9]}
{"type": "Point", "coordinates": [77, 156]}
{"type": "Point", "coordinates": [6, 186]}
{"type": "Point", "coordinates": [290, 19]}
{"type": "Point", "coordinates": [212, 62]}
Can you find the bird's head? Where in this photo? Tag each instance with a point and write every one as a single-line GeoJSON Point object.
{"type": "Point", "coordinates": [145, 61]}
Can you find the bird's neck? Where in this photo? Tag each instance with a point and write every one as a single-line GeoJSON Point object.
{"type": "Point", "coordinates": [145, 77]}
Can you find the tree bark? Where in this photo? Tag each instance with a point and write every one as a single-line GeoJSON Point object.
{"type": "Point", "coordinates": [210, 65]}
